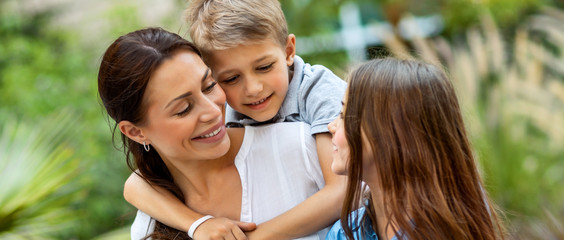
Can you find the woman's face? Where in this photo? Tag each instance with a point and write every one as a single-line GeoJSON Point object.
{"type": "Point", "coordinates": [340, 145]}
{"type": "Point", "coordinates": [184, 110]}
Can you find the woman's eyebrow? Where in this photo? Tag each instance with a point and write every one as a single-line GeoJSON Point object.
{"type": "Point", "coordinates": [178, 98]}
{"type": "Point", "coordinates": [206, 75]}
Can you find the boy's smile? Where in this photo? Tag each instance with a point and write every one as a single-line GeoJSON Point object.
{"type": "Point", "coordinates": [254, 76]}
{"type": "Point", "coordinates": [260, 104]}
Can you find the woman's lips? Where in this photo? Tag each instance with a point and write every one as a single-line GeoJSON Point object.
{"type": "Point", "coordinates": [213, 135]}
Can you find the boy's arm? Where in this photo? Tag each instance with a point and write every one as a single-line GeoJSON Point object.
{"type": "Point", "coordinates": [316, 212]}
{"type": "Point", "coordinates": [169, 210]}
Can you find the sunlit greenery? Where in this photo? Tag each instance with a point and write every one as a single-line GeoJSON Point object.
{"type": "Point", "coordinates": [37, 168]}
{"type": "Point", "coordinates": [42, 71]}
{"type": "Point", "coordinates": [62, 178]}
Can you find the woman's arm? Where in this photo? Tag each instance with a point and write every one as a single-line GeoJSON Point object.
{"type": "Point", "coordinates": [167, 209]}
{"type": "Point", "coordinates": [315, 213]}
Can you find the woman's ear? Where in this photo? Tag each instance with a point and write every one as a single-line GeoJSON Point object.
{"type": "Point", "coordinates": [133, 132]}
{"type": "Point", "coordinates": [290, 49]}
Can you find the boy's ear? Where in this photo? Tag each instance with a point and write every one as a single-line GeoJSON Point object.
{"type": "Point", "coordinates": [290, 49]}
{"type": "Point", "coordinates": [133, 132]}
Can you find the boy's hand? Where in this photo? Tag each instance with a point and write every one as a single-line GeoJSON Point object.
{"type": "Point", "coordinates": [223, 228]}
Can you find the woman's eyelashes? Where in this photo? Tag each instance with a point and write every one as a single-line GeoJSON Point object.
{"type": "Point", "coordinates": [188, 107]}
{"type": "Point", "coordinates": [184, 111]}
{"type": "Point", "coordinates": [210, 87]}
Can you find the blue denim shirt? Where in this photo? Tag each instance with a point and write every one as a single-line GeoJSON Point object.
{"type": "Point", "coordinates": [337, 233]}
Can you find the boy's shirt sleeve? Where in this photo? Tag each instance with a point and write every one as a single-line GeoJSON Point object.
{"type": "Point", "coordinates": [320, 96]}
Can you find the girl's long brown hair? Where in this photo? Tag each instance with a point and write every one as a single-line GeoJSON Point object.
{"type": "Point", "coordinates": [125, 70]}
{"type": "Point", "coordinates": [409, 112]}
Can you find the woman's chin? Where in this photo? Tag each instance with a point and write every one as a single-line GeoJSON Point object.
{"type": "Point", "coordinates": [338, 169]}
{"type": "Point", "coordinates": [223, 147]}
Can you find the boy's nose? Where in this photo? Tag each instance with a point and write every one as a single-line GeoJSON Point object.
{"type": "Point", "coordinates": [253, 87]}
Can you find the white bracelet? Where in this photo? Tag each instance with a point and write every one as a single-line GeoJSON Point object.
{"type": "Point", "coordinates": [196, 224]}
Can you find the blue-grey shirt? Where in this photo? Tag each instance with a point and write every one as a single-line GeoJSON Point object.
{"type": "Point", "coordinates": [314, 96]}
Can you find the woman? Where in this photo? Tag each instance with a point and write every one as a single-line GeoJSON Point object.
{"type": "Point", "coordinates": [401, 132]}
{"type": "Point", "coordinates": [168, 109]}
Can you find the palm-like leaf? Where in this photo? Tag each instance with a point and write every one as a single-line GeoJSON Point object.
{"type": "Point", "coordinates": [36, 169]}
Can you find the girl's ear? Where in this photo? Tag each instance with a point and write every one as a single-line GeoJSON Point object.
{"type": "Point", "coordinates": [133, 132]}
{"type": "Point", "coordinates": [290, 49]}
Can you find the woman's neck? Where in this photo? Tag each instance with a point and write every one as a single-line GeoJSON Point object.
{"type": "Point", "coordinates": [202, 181]}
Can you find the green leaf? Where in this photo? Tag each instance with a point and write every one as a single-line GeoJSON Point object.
{"type": "Point", "coordinates": [37, 167]}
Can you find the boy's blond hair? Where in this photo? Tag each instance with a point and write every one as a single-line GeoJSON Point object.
{"type": "Point", "coordinates": [223, 24]}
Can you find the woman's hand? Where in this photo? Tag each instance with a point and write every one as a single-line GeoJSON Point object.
{"type": "Point", "coordinates": [223, 228]}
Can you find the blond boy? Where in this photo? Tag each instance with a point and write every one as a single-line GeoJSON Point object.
{"type": "Point", "coordinates": [252, 56]}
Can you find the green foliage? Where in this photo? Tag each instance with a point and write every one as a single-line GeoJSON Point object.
{"type": "Point", "coordinates": [44, 70]}
{"type": "Point", "coordinates": [117, 234]}
{"type": "Point", "coordinates": [506, 91]}
{"type": "Point", "coordinates": [40, 62]}
{"type": "Point", "coordinates": [315, 17]}
{"type": "Point", "coordinates": [461, 14]}
{"type": "Point", "coordinates": [305, 18]}
{"type": "Point", "coordinates": [37, 166]}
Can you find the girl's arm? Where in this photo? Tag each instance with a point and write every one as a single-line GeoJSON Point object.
{"type": "Point", "coordinates": [315, 213]}
{"type": "Point", "coordinates": [169, 210]}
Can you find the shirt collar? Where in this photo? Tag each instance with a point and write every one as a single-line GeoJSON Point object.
{"type": "Point", "coordinates": [290, 104]}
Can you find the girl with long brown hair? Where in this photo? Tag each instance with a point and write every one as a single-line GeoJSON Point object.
{"type": "Point", "coordinates": [401, 140]}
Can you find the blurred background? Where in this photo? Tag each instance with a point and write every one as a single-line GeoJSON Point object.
{"type": "Point", "coordinates": [62, 178]}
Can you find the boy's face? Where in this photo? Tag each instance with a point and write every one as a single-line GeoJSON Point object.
{"type": "Point", "coordinates": [254, 76]}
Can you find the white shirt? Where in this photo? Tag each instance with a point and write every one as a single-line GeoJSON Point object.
{"type": "Point", "coordinates": [279, 169]}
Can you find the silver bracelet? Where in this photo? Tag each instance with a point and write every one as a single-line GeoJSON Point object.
{"type": "Point", "coordinates": [196, 224]}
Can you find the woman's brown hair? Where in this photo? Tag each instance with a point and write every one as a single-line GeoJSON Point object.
{"type": "Point", "coordinates": [431, 188]}
{"type": "Point", "coordinates": [125, 70]}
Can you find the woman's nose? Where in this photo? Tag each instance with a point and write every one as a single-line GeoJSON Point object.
{"type": "Point", "coordinates": [211, 110]}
